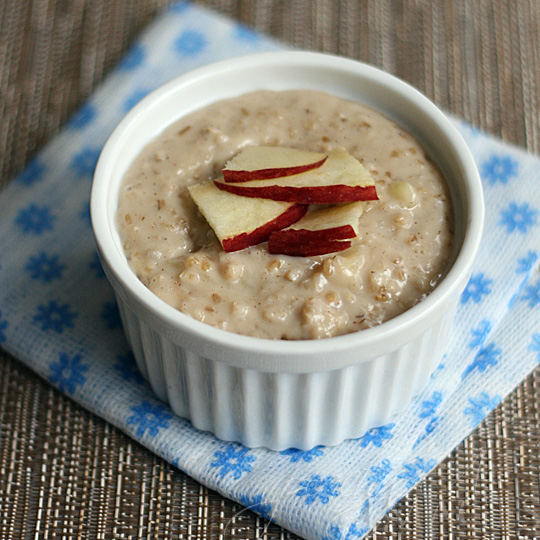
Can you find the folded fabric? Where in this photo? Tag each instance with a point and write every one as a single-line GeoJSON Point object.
{"type": "Point", "coordinates": [58, 316]}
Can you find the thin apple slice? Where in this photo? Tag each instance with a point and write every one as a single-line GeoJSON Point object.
{"type": "Point", "coordinates": [279, 246]}
{"type": "Point", "coordinates": [267, 162]}
{"type": "Point", "coordinates": [240, 222]}
{"type": "Point", "coordinates": [341, 178]}
{"type": "Point", "coordinates": [337, 222]}
{"type": "Point", "coordinates": [319, 232]}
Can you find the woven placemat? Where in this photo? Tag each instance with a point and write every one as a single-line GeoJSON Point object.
{"type": "Point", "coordinates": [65, 473]}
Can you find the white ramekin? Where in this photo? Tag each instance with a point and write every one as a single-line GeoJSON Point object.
{"type": "Point", "coordinates": [282, 394]}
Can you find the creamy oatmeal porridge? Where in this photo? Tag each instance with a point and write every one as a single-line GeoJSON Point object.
{"type": "Point", "coordinates": [399, 256]}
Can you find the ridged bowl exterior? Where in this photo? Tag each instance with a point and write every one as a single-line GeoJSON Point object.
{"type": "Point", "coordinates": [281, 410]}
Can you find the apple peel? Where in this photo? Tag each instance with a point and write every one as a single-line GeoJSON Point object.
{"type": "Point", "coordinates": [332, 218]}
{"type": "Point", "coordinates": [241, 222]}
{"type": "Point", "coordinates": [319, 232]}
{"type": "Point", "coordinates": [268, 162]}
{"type": "Point", "coordinates": [277, 246]}
{"type": "Point", "coordinates": [341, 178]}
{"type": "Point", "coordinates": [307, 195]}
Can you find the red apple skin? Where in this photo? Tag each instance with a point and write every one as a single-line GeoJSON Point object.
{"type": "Point", "coordinates": [306, 249]}
{"type": "Point", "coordinates": [233, 176]}
{"type": "Point", "coordinates": [304, 195]}
{"type": "Point", "coordinates": [262, 234]}
{"type": "Point", "coordinates": [298, 236]}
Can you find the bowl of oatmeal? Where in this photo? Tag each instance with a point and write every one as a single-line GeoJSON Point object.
{"type": "Point", "coordinates": [270, 349]}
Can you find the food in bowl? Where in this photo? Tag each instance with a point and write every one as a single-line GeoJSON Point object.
{"type": "Point", "coordinates": [169, 213]}
{"type": "Point", "coordinates": [273, 392]}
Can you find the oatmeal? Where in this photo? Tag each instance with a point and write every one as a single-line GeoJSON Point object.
{"type": "Point", "coordinates": [401, 252]}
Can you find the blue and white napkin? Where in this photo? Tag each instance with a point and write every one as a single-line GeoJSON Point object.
{"type": "Point", "coordinates": [57, 312]}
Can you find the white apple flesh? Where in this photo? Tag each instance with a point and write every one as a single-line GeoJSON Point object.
{"type": "Point", "coordinates": [240, 222]}
{"type": "Point", "coordinates": [267, 162]}
{"type": "Point", "coordinates": [336, 222]}
{"type": "Point", "coordinates": [320, 232]}
{"type": "Point", "coordinates": [341, 178]}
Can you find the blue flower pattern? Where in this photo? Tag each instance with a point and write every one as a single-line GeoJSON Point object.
{"type": "Point", "coordinates": [412, 471]}
{"type": "Point", "coordinates": [533, 347]}
{"type": "Point", "coordinates": [68, 372]}
{"type": "Point", "coordinates": [477, 288]}
{"type": "Point", "coordinates": [83, 117]}
{"type": "Point", "coordinates": [133, 59]}
{"type": "Point", "coordinates": [499, 169]}
{"type": "Point", "coordinates": [318, 489]}
{"type": "Point", "coordinates": [429, 406]}
{"type": "Point", "coordinates": [178, 7]}
{"type": "Point", "coordinates": [439, 369]}
{"type": "Point", "coordinates": [334, 533]}
{"type": "Point", "coordinates": [190, 43]}
{"type": "Point", "coordinates": [377, 436]}
{"type": "Point", "coordinates": [45, 267]}
{"type": "Point", "coordinates": [85, 214]}
{"type": "Point", "coordinates": [526, 263]}
{"type": "Point", "coordinates": [85, 162]}
{"type": "Point", "coordinates": [303, 455]}
{"type": "Point", "coordinates": [246, 34]}
{"type": "Point", "coordinates": [479, 406]}
{"type": "Point", "coordinates": [111, 315]}
{"type": "Point", "coordinates": [96, 268]}
{"type": "Point", "coordinates": [55, 316]}
{"type": "Point", "coordinates": [258, 505]}
{"type": "Point", "coordinates": [33, 173]}
{"type": "Point", "coordinates": [428, 412]}
{"type": "Point", "coordinates": [148, 417]}
{"type": "Point", "coordinates": [35, 219]}
{"type": "Point", "coordinates": [127, 366]}
{"type": "Point", "coordinates": [378, 475]}
{"type": "Point", "coordinates": [484, 358]}
{"type": "Point", "coordinates": [235, 460]}
{"type": "Point", "coordinates": [480, 334]}
{"type": "Point", "coordinates": [134, 98]}
{"type": "Point", "coordinates": [353, 532]}
{"type": "Point", "coordinates": [518, 217]}
{"type": "Point", "coordinates": [3, 327]}
{"type": "Point", "coordinates": [531, 295]}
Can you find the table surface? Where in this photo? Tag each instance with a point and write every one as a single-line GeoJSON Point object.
{"type": "Point", "coordinates": [65, 473]}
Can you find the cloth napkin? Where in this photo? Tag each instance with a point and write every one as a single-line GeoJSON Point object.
{"type": "Point", "coordinates": [58, 316]}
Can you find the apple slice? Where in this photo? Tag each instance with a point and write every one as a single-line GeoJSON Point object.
{"type": "Point", "coordinates": [321, 231]}
{"type": "Point", "coordinates": [240, 222]}
{"type": "Point", "coordinates": [266, 162]}
{"type": "Point", "coordinates": [341, 178]}
{"type": "Point", "coordinates": [309, 249]}
{"type": "Point", "coordinates": [338, 222]}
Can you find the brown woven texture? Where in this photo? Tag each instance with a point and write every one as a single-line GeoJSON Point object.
{"type": "Point", "coordinates": [65, 473]}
